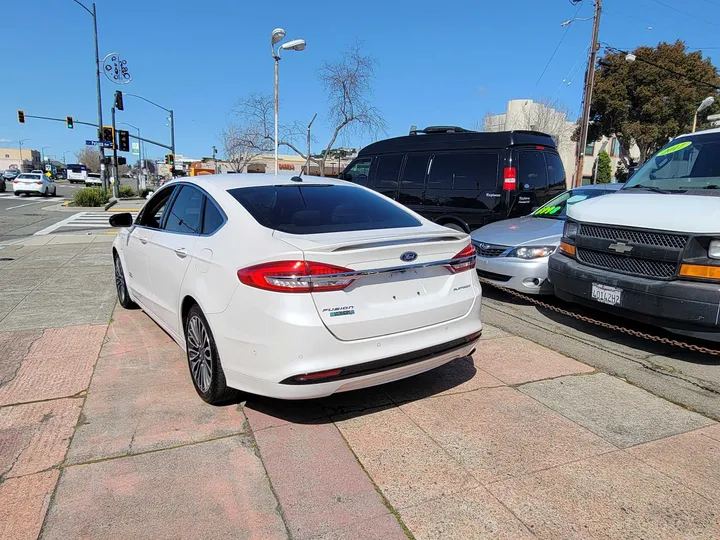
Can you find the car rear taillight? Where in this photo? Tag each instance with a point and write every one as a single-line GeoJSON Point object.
{"type": "Point", "coordinates": [463, 261]}
{"type": "Point", "coordinates": [295, 277]}
{"type": "Point", "coordinates": [510, 179]}
{"type": "Point", "coordinates": [39, 183]}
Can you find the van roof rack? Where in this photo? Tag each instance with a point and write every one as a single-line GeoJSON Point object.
{"type": "Point", "coordinates": [439, 129]}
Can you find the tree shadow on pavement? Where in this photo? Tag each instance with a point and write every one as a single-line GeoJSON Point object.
{"type": "Point", "coordinates": [368, 400]}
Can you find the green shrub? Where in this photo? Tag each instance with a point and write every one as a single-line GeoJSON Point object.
{"type": "Point", "coordinates": [126, 192]}
{"type": "Point", "coordinates": [604, 169]}
{"type": "Point", "coordinates": [91, 197]}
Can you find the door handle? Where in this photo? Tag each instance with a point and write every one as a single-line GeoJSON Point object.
{"type": "Point", "coordinates": [181, 252]}
{"type": "Point", "coordinates": [142, 239]}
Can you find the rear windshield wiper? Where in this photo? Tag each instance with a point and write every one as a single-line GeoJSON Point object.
{"type": "Point", "coordinates": [649, 188]}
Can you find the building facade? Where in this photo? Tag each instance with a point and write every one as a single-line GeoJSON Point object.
{"type": "Point", "coordinates": [11, 158]}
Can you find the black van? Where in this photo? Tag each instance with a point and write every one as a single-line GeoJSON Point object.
{"type": "Point", "coordinates": [463, 179]}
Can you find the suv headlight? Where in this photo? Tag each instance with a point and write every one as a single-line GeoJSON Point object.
{"type": "Point", "coordinates": [532, 252]}
{"type": "Point", "coordinates": [571, 230]}
{"type": "Point", "coordinates": [714, 249]}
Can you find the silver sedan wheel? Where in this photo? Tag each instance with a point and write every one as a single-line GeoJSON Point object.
{"type": "Point", "coordinates": [199, 354]}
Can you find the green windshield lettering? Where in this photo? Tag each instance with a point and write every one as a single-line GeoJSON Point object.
{"type": "Point", "coordinates": [674, 148]}
{"type": "Point", "coordinates": [548, 210]}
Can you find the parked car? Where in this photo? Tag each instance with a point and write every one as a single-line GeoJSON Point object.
{"type": "Point", "coordinates": [10, 174]}
{"type": "Point", "coordinates": [34, 184]}
{"type": "Point", "coordinates": [297, 288]}
{"type": "Point", "coordinates": [37, 171]}
{"type": "Point", "coordinates": [651, 252]}
{"type": "Point", "coordinates": [3, 186]}
{"type": "Point", "coordinates": [463, 179]}
{"type": "Point", "coordinates": [514, 253]}
{"type": "Point", "coordinates": [93, 180]}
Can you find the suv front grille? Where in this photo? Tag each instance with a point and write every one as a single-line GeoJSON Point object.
{"type": "Point", "coordinates": [665, 240]}
{"type": "Point", "coordinates": [628, 265]}
{"type": "Point", "coordinates": [488, 250]}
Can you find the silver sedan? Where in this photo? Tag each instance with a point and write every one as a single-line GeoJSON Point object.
{"type": "Point", "coordinates": [514, 253]}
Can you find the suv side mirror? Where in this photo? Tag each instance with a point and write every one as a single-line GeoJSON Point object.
{"type": "Point", "coordinates": [121, 220]}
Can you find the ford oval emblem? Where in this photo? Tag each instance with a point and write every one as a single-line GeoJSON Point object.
{"type": "Point", "coordinates": [408, 256]}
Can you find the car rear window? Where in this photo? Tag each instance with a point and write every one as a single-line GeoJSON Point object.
{"type": "Point", "coordinates": [318, 208]}
{"type": "Point", "coordinates": [30, 177]}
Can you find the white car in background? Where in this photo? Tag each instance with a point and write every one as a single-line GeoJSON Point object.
{"type": "Point", "coordinates": [297, 288]}
{"type": "Point", "coordinates": [93, 180]}
{"type": "Point", "coordinates": [34, 184]}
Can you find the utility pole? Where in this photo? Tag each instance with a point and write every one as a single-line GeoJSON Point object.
{"type": "Point", "coordinates": [587, 95]}
{"type": "Point", "coordinates": [307, 164]}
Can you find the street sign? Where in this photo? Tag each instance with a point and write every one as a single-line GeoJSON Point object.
{"type": "Point", "coordinates": [136, 148]}
{"type": "Point", "coordinates": [713, 117]}
{"type": "Point", "coordinates": [104, 144]}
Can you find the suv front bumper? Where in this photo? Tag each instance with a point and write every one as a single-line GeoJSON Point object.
{"type": "Point", "coordinates": [684, 307]}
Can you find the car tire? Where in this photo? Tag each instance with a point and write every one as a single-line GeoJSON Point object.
{"type": "Point", "coordinates": [454, 227]}
{"type": "Point", "coordinates": [121, 286]}
{"type": "Point", "coordinates": [204, 364]}
{"type": "Point", "coordinates": [17, 194]}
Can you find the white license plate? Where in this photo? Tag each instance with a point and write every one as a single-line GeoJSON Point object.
{"type": "Point", "coordinates": [606, 294]}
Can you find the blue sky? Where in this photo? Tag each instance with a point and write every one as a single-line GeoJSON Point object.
{"type": "Point", "coordinates": [438, 62]}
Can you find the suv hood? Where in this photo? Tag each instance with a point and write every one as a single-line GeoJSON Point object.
{"type": "Point", "coordinates": [524, 231]}
{"type": "Point", "coordinates": [665, 212]}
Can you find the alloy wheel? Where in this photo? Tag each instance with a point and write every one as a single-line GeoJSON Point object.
{"type": "Point", "coordinates": [199, 353]}
{"type": "Point", "coordinates": [120, 280]}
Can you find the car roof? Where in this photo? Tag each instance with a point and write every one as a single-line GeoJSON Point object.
{"type": "Point", "coordinates": [703, 132]}
{"type": "Point", "coordinates": [469, 140]}
{"type": "Point", "coordinates": [231, 181]}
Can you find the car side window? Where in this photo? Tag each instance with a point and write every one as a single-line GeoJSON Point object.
{"type": "Point", "coordinates": [212, 218]}
{"type": "Point", "coordinates": [151, 216]}
{"type": "Point", "coordinates": [185, 214]}
{"type": "Point", "coordinates": [388, 170]}
{"type": "Point", "coordinates": [359, 172]}
{"type": "Point", "coordinates": [462, 171]}
{"type": "Point", "coordinates": [555, 169]}
{"type": "Point", "coordinates": [416, 167]}
{"type": "Point", "coordinates": [532, 174]}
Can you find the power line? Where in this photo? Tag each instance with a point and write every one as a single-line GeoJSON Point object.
{"type": "Point", "coordinates": [552, 56]}
{"type": "Point", "coordinates": [684, 13]}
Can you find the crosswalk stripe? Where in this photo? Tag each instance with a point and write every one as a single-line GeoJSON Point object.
{"type": "Point", "coordinates": [81, 220]}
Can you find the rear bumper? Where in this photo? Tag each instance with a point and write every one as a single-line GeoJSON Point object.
{"type": "Point", "coordinates": [684, 307]}
{"type": "Point", "coordinates": [526, 276]}
{"type": "Point", "coordinates": [27, 189]}
{"type": "Point", "coordinates": [261, 349]}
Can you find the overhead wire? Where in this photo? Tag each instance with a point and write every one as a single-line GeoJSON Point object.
{"type": "Point", "coordinates": [660, 2]}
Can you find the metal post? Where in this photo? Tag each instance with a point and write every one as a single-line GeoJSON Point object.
{"type": "Point", "coordinates": [172, 132]}
{"type": "Point", "coordinates": [103, 177]}
{"type": "Point", "coordinates": [215, 158]}
{"type": "Point", "coordinates": [307, 164]}
{"type": "Point", "coordinates": [116, 190]}
{"type": "Point", "coordinates": [587, 96]}
{"type": "Point", "coordinates": [277, 75]}
{"type": "Point", "coordinates": [695, 122]}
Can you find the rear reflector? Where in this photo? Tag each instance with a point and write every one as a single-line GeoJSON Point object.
{"type": "Point", "coordinates": [510, 179]}
{"type": "Point", "coordinates": [318, 375]}
{"type": "Point", "coordinates": [567, 249]}
{"type": "Point", "coordinates": [700, 271]}
{"type": "Point", "coordinates": [295, 277]}
{"type": "Point", "coordinates": [463, 261]}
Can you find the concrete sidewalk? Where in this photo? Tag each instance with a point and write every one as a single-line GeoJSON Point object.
{"type": "Point", "coordinates": [103, 436]}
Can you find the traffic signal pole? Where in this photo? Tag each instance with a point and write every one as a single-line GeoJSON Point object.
{"type": "Point", "coordinates": [116, 191]}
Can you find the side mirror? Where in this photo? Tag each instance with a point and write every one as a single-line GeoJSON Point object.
{"type": "Point", "coordinates": [121, 220]}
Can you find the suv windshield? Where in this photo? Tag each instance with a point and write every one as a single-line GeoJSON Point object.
{"type": "Point", "coordinates": [313, 209]}
{"type": "Point", "coordinates": [557, 208]}
{"type": "Point", "coordinates": [691, 162]}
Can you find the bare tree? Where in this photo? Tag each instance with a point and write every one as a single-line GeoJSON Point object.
{"type": "Point", "coordinates": [348, 83]}
{"type": "Point", "coordinates": [89, 157]}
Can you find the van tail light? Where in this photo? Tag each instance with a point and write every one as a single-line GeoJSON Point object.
{"type": "Point", "coordinates": [295, 277]}
{"type": "Point", "coordinates": [463, 261]}
{"type": "Point", "coordinates": [510, 179]}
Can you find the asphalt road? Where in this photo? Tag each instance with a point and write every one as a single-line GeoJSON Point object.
{"type": "Point", "coordinates": [24, 215]}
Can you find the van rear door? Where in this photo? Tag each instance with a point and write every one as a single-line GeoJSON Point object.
{"type": "Point", "coordinates": [531, 181]}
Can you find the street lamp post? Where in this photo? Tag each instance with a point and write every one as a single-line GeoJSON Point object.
{"type": "Point", "coordinates": [93, 14]}
{"type": "Point", "coordinates": [215, 158]}
{"type": "Point", "coordinates": [171, 119]}
{"type": "Point", "coordinates": [706, 104]}
{"type": "Point", "coordinates": [294, 45]}
{"type": "Point", "coordinates": [42, 153]}
{"type": "Point", "coordinates": [22, 161]}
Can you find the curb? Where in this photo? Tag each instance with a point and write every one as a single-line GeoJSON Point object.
{"type": "Point", "coordinates": [111, 203]}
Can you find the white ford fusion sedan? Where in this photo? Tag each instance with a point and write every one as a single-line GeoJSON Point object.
{"type": "Point", "coordinates": [296, 287]}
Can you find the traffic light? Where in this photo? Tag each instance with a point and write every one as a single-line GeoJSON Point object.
{"type": "Point", "coordinates": [119, 100]}
{"type": "Point", "coordinates": [108, 135]}
{"type": "Point", "coordinates": [69, 121]}
{"type": "Point", "coordinates": [21, 116]}
{"type": "Point", "coordinates": [170, 159]}
{"type": "Point", "coordinates": [123, 140]}
{"type": "Point", "coordinates": [122, 161]}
